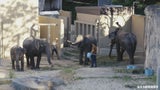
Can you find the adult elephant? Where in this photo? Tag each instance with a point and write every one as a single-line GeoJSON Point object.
{"type": "Point", "coordinates": [125, 41]}
{"type": "Point", "coordinates": [35, 47]}
{"type": "Point", "coordinates": [84, 43]}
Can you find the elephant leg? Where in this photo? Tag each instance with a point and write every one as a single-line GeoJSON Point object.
{"type": "Point", "coordinates": [22, 64]}
{"type": "Point", "coordinates": [28, 63]}
{"type": "Point", "coordinates": [13, 66]}
{"type": "Point", "coordinates": [38, 61]}
{"type": "Point", "coordinates": [131, 56]}
{"type": "Point", "coordinates": [111, 47]}
{"type": "Point", "coordinates": [118, 52]}
{"type": "Point", "coordinates": [110, 51]}
{"type": "Point", "coordinates": [17, 65]}
{"type": "Point", "coordinates": [32, 63]}
{"type": "Point", "coordinates": [121, 54]}
{"type": "Point", "coordinates": [80, 57]}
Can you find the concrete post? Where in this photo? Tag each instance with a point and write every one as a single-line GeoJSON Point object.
{"type": "Point", "coordinates": [87, 32]}
{"type": "Point", "coordinates": [158, 78]}
{"type": "Point", "coordinates": [1, 42]}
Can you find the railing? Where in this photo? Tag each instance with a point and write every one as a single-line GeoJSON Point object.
{"type": "Point", "coordinates": [85, 28]}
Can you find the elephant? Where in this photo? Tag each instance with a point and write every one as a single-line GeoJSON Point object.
{"type": "Point", "coordinates": [17, 54]}
{"type": "Point", "coordinates": [85, 45]}
{"type": "Point", "coordinates": [125, 41]}
{"type": "Point", "coordinates": [35, 47]}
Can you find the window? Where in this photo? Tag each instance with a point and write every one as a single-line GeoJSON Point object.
{"type": "Point", "coordinates": [50, 5]}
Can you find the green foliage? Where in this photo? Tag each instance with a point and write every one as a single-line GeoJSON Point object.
{"type": "Point", "coordinates": [153, 78]}
{"type": "Point", "coordinates": [106, 61]}
{"type": "Point", "coordinates": [5, 81]}
{"type": "Point", "coordinates": [70, 6]}
{"type": "Point", "coordinates": [123, 2]}
{"type": "Point", "coordinates": [11, 74]}
{"type": "Point", "coordinates": [125, 78]}
{"type": "Point", "coordinates": [139, 7]}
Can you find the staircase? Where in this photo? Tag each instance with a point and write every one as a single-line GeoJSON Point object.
{"type": "Point", "coordinates": [70, 53]}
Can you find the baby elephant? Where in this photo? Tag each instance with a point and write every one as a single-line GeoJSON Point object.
{"type": "Point", "coordinates": [17, 54]}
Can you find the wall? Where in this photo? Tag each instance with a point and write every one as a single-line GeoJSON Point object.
{"type": "Point", "coordinates": [138, 22]}
{"type": "Point", "coordinates": [17, 17]}
{"type": "Point", "coordinates": [56, 30]}
{"type": "Point", "coordinates": [152, 37]}
{"type": "Point", "coordinates": [94, 10]}
{"type": "Point", "coordinates": [90, 18]}
{"type": "Point", "coordinates": [67, 17]}
{"type": "Point", "coordinates": [104, 23]}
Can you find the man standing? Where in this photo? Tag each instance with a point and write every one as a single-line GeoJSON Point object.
{"type": "Point", "coordinates": [54, 49]}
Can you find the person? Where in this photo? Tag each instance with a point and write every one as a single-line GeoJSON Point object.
{"type": "Point", "coordinates": [54, 49]}
{"type": "Point", "coordinates": [93, 56]}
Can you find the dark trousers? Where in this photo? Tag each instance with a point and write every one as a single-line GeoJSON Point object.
{"type": "Point", "coordinates": [93, 60]}
{"type": "Point", "coordinates": [55, 50]}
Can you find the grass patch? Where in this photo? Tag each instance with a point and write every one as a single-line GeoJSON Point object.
{"type": "Point", "coordinates": [133, 71]}
{"type": "Point", "coordinates": [68, 74]}
{"type": "Point", "coordinates": [78, 78]}
{"type": "Point", "coordinates": [124, 78]}
{"type": "Point", "coordinates": [127, 78]}
{"type": "Point", "coordinates": [106, 61]}
{"type": "Point", "coordinates": [48, 68]}
{"type": "Point", "coordinates": [152, 78]}
{"type": "Point", "coordinates": [5, 81]}
{"type": "Point", "coordinates": [68, 70]}
{"type": "Point", "coordinates": [11, 74]}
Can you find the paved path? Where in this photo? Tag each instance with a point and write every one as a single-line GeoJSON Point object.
{"type": "Point", "coordinates": [95, 79]}
{"type": "Point", "coordinates": [84, 78]}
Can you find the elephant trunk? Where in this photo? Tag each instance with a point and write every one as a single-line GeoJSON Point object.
{"type": "Point", "coordinates": [72, 43]}
{"type": "Point", "coordinates": [112, 43]}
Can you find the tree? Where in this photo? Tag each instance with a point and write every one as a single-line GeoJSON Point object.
{"type": "Point", "coordinates": [139, 7]}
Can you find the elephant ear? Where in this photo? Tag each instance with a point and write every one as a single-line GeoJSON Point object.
{"type": "Point", "coordinates": [113, 34]}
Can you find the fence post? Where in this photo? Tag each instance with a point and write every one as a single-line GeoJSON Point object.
{"type": "Point", "coordinates": [158, 78]}
{"type": "Point", "coordinates": [1, 42]}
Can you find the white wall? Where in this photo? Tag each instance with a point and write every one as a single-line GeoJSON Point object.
{"type": "Point", "coordinates": [17, 16]}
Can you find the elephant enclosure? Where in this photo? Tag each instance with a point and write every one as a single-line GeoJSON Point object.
{"type": "Point", "coordinates": [76, 76]}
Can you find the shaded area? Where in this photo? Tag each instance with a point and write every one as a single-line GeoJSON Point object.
{"type": "Point", "coordinates": [70, 6]}
{"type": "Point", "coordinates": [37, 83]}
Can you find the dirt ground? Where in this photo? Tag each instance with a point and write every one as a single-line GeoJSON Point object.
{"type": "Point", "coordinates": [109, 75]}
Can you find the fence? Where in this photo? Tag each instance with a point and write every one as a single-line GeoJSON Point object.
{"type": "Point", "coordinates": [132, 23]}
{"type": "Point", "coordinates": [84, 28]}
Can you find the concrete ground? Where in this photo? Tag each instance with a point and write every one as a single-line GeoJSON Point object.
{"type": "Point", "coordinates": [80, 77]}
